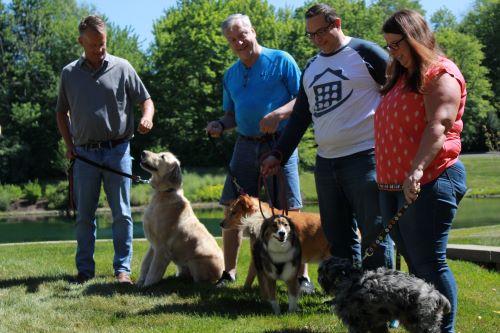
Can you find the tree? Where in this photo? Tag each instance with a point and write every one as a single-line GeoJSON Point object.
{"type": "Point", "coordinates": [466, 52]}
{"type": "Point", "coordinates": [189, 57]}
{"type": "Point", "coordinates": [38, 38]}
{"type": "Point", "coordinates": [443, 18]}
{"type": "Point", "coordinates": [484, 23]}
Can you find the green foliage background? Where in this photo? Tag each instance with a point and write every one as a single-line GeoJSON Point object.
{"type": "Point", "coordinates": [183, 71]}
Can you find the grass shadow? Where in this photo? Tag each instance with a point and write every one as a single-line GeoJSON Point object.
{"type": "Point", "coordinates": [32, 284]}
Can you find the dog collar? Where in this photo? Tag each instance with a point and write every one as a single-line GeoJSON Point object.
{"type": "Point", "coordinates": [168, 190]}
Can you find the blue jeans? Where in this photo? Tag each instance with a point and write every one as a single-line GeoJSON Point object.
{"type": "Point", "coordinates": [421, 234]}
{"type": "Point", "coordinates": [87, 187]}
{"type": "Point", "coordinates": [245, 165]}
{"type": "Point", "coordinates": [348, 200]}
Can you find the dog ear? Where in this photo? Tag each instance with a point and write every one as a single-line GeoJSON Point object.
{"type": "Point", "coordinates": [247, 201]}
{"type": "Point", "coordinates": [295, 239]}
{"type": "Point", "coordinates": [265, 226]}
{"type": "Point", "coordinates": [175, 176]}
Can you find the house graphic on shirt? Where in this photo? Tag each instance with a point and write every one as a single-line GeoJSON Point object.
{"type": "Point", "coordinates": [328, 94]}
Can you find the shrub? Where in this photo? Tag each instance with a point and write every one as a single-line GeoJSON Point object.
{"type": "Point", "coordinates": [57, 195]}
{"type": "Point", "coordinates": [8, 194]}
{"type": "Point", "coordinates": [32, 191]}
{"type": "Point", "coordinates": [139, 194]}
{"type": "Point", "coordinates": [207, 193]}
{"type": "Point", "coordinates": [195, 181]}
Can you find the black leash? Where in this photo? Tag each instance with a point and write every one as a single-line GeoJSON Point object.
{"type": "Point", "coordinates": [279, 178]}
{"type": "Point", "coordinates": [71, 201]}
{"type": "Point", "coordinates": [226, 164]}
{"type": "Point", "coordinates": [135, 178]}
{"type": "Point", "coordinates": [262, 182]}
{"type": "Point", "coordinates": [371, 250]}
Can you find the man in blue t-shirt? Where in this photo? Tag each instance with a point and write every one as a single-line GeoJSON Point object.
{"type": "Point", "coordinates": [259, 93]}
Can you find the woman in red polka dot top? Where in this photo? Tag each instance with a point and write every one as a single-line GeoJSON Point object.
{"type": "Point", "coordinates": [417, 142]}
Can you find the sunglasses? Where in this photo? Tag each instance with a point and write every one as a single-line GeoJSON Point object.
{"type": "Point", "coordinates": [394, 46]}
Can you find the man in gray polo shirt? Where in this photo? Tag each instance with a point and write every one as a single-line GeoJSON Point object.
{"type": "Point", "coordinates": [95, 118]}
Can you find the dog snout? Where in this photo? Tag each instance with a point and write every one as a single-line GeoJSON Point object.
{"type": "Point", "coordinates": [143, 155]}
{"type": "Point", "coordinates": [222, 224]}
{"type": "Point", "coordinates": [281, 234]}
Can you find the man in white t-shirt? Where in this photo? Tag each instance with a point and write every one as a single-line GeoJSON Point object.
{"type": "Point", "coordinates": [339, 94]}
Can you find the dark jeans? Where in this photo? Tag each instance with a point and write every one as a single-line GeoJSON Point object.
{"type": "Point", "coordinates": [245, 166]}
{"type": "Point", "coordinates": [348, 198]}
{"type": "Point", "coordinates": [421, 235]}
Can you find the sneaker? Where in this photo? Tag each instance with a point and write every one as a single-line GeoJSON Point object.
{"type": "Point", "coordinates": [80, 279]}
{"type": "Point", "coordinates": [306, 286]}
{"type": "Point", "coordinates": [394, 324]}
{"type": "Point", "coordinates": [124, 278]}
{"type": "Point", "coordinates": [224, 280]}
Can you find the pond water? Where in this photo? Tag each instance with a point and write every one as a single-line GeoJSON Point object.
{"type": "Point", "coordinates": [471, 213]}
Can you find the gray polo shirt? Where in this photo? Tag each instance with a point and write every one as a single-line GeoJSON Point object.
{"type": "Point", "coordinates": [100, 102]}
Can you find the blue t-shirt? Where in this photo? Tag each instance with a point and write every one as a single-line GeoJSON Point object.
{"type": "Point", "coordinates": [253, 92]}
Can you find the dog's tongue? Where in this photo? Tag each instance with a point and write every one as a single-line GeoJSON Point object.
{"type": "Point", "coordinates": [280, 238]}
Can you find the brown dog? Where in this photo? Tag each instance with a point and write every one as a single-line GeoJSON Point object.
{"type": "Point", "coordinates": [244, 214]}
{"type": "Point", "coordinates": [277, 256]}
{"type": "Point", "coordinates": [174, 232]}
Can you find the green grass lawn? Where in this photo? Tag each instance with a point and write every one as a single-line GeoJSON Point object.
{"type": "Point", "coordinates": [483, 174]}
{"type": "Point", "coordinates": [487, 235]}
{"type": "Point", "coordinates": [36, 297]}
{"type": "Point", "coordinates": [483, 177]}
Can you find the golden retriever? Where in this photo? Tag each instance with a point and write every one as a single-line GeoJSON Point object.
{"type": "Point", "coordinates": [173, 230]}
{"type": "Point", "coordinates": [244, 214]}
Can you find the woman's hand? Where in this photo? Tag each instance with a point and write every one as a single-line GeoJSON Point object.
{"type": "Point", "coordinates": [411, 185]}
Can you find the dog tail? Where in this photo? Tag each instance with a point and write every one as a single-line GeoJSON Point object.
{"type": "Point", "coordinates": [252, 224]}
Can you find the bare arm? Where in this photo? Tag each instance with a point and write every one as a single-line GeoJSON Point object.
{"type": "Point", "coordinates": [62, 119]}
{"type": "Point", "coordinates": [271, 121]}
{"type": "Point", "coordinates": [146, 122]}
{"type": "Point", "coordinates": [441, 108]}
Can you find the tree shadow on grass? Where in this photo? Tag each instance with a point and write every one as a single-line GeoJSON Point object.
{"type": "Point", "coordinates": [233, 303]}
{"type": "Point", "coordinates": [203, 298]}
{"type": "Point", "coordinates": [291, 330]}
{"type": "Point", "coordinates": [32, 283]}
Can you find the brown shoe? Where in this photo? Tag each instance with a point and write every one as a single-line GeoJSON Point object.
{"type": "Point", "coordinates": [124, 278]}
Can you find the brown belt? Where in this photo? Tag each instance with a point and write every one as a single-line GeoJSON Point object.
{"type": "Point", "coordinates": [103, 144]}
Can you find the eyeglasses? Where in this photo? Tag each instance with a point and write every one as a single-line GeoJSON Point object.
{"type": "Point", "coordinates": [394, 46]}
{"type": "Point", "coordinates": [320, 32]}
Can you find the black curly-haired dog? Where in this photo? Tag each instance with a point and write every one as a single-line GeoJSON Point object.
{"type": "Point", "coordinates": [367, 300]}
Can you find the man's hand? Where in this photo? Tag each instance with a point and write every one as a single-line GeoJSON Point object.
{"type": "Point", "coordinates": [214, 128]}
{"type": "Point", "coordinates": [70, 152]}
{"type": "Point", "coordinates": [269, 124]}
{"type": "Point", "coordinates": [270, 166]}
{"type": "Point", "coordinates": [145, 125]}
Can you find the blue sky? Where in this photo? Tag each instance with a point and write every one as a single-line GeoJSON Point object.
{"type": "Point", "coordinates": [140, 15]}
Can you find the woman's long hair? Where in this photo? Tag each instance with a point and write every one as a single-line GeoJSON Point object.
{"type": "Point", "coordinates": [424, 50]}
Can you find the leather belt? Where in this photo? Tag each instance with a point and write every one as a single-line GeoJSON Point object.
{"type": "Point", "coordinates": [103, 144]}
{"type": "Point", "coordinates": [260, 139]}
